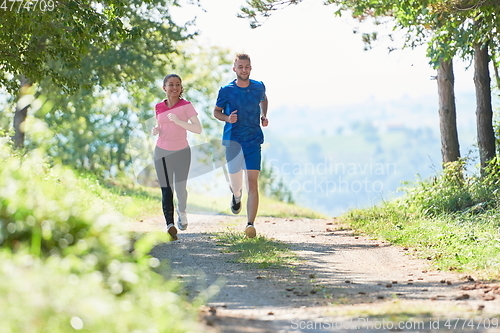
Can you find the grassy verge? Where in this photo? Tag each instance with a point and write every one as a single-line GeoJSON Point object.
{"type": "Point", "coordinates": [65, 266]}
{"type": "Point", "coordinates": [452, 221]}
{"type": "Point", "coordinates": [128, 198]}
{"type": "Point", "coordinates": [466, 244]}
{"type": "Point", "coordinates": [258, 252]}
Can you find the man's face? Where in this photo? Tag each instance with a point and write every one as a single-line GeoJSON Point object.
{"type": "Point", "coordinates": [242, 68]}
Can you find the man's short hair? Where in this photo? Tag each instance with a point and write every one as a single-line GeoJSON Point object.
{"type": "Point", "coordinates": [242, 56]}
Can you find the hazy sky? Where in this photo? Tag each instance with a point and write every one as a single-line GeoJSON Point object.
{"type": "Point", "coordinates": [306, 56]}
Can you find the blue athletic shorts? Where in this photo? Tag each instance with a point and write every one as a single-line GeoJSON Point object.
{"type": "Point", "coordinates": [243, 158]}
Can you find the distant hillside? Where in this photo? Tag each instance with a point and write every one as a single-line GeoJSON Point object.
{"type": "Point", "coordinates": [340, 157]}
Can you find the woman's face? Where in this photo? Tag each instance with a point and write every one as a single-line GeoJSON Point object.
{"type": "Point", "coordinates": [173, 87]}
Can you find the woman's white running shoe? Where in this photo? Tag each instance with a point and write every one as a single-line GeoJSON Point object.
{"type": "Point", "coordinates": [182, 221]}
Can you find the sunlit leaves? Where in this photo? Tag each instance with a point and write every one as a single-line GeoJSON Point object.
{"type": "Point", "coordinates": [53, 43]}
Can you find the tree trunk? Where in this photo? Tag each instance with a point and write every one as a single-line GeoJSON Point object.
{"type": "Point", "coordinates": [450, 150]}
{"type": "Point", "coordinates": [495, 70]}
{"type": "Point", "coordinates": [484, 109]}
{"type": "Point", "coordinates": [21, 113]}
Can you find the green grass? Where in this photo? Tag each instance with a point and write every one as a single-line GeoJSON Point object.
{"type": "Point", "coordinates": [64, 263]}
{"type": "Point", "coordinates": [127, 197]}
{"type": "Point", "coordinates": [463, 243]}
{"type": "Point", "coordinates": [258, 252]}
{"type": "Point", "coordinates": [452, 221]}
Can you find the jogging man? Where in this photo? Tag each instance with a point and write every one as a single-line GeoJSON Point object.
{"type": "Point", "coordinates": [242, 105]}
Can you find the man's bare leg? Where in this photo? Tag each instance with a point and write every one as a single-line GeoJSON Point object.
{"type": "Point", "coordinates": [252, 200]}
{"type": "Point", "coordinates": [253, 194]}
{"type": "Point", "coordinates": [236, 180]}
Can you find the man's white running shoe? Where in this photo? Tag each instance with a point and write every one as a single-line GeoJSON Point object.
{"type": "Point", "coordinates": [182, 221]}
{"type": "Point", "coordinates": [250, 231]}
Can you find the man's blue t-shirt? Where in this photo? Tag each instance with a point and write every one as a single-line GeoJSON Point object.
{"type": "Point", "coordinates": [246, 131]}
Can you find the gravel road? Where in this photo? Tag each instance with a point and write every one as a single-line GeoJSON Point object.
{"type": "Point", "coordinates": [343, 282]}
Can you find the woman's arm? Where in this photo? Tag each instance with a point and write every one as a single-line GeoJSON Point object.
{"type": "Point", "coordinates": [193, 125]}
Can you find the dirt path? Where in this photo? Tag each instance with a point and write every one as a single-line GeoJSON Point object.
{"type": "Point", "coordinates": [343, 283]}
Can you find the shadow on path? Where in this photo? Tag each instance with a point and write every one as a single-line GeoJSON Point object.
{"type": "Point", "coordinates": [336, 271]}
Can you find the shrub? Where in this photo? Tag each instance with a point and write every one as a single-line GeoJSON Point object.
{"type": "Point", "coordinates": [48, 296]}
{"type": "Point", "coordinates": [452, 191]}
{"type": "Point", "coordinates": [65, 264]}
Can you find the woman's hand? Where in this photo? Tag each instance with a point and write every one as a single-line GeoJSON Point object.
{"type": "Point", "coordinates": [173, 118]}
{"type": "Point", "coordinates": [155, 130]}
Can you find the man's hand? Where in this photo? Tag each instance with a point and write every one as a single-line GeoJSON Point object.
{"type": "Point", "coordinates": [264, 121]}
{"type": "Point", "coordinates": [233, 117]}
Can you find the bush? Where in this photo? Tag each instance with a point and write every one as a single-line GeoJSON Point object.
{"type": "Point", "coordinates": [452, 191]}
{"type": "Point", "coordinates": [48, 296]}
{"type": "Point", "coordinates": [65, 264]}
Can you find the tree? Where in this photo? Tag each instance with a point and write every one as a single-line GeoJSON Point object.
{"type": "Point", "coordinates": [473, 26]}
{"type": "Point", "coordinates": [450, 150]}
{"type": "Point", "coordinates": [21, 111]}
{"type": "Point", "coordinates": [484, 111]}
{"type": "Point", "coordinates": [52, 41]}
{"type": "Point", "coordinates": [412, 17]}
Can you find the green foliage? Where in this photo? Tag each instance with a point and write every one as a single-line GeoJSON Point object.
{"type": "Point", "coordinates": [492, 173]}
{"type": "Point", "coordinates": [264, 8]}
{"type": "Point", "coordinates": [53, 42]}
{"type": "Point", "coordinates": [452, 191]}
{"type": "Point", "coordinates": [61, 295]}
{"type": "Point", "coordinates": [35, 217]}
{"type": "Point", "coordinates": [449, 28]}
{"type": "Point", "coordinates": [65, 262]}
{"type": "Point", "coordinates": [445, 194]}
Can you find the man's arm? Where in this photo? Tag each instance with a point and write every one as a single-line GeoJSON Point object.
{"type": "Point", "coordinates": [219, 114]}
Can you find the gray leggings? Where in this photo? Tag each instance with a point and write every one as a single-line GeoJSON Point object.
{"type": "Point", "coordinates": [172, 169]}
